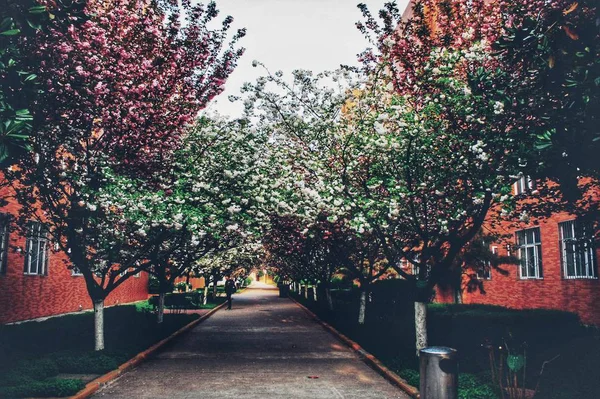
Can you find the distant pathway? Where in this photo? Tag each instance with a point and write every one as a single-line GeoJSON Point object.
{"type": "Point", "coordinates": [266, 347]}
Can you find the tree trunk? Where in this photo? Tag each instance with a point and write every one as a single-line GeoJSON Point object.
{"type": "Point", "coordinates": [362, 308]}
{"type": "Point", "coordinates": [329, 299]}
{"type": "Point", "coordinates": [458, 297]}
{"type": "Point", "coordinates": [299, 287]}
{"type": "Point", "coordinates": [161, 307]}
{"type": "Point", "coordinates": [214, 287]}
{"type": "Point", "coordinates": [99, 325]}
{"type": "Point", "coordinates": [205, 299]}
{"type": "Point", "coordinates": [421, 325]}
{"type": "Point", "coordinates": [306, 292]}
{"type": "Point", "coordinates": [315, 293]}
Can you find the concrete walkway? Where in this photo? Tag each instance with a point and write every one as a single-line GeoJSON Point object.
{"type": "Point", "coordinates": [266, 347]}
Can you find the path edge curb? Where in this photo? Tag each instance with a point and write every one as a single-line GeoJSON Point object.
{"type": "Point", "coordinates": [94, 385]}
{"type": "Point", "coordinates": [365, 356]}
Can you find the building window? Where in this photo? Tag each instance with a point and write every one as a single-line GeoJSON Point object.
{"type": "Point", "coordinates": [529, 247]}
{"type": "Point", "coordinates": [36, 250]}
{"type": "Point", "coordinates": [485, 273]}
{"type": "Point", "coordinates": [4, 224]}
{"type": "Point", "coordinates": [578, 251]}
{"type": "Point", "coordinates": [76, 272]}
{"type": "Point", "coordinates": [524, 185]}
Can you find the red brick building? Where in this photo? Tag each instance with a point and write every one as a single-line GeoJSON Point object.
{"type": "Point", "coordinates": [558, 268]}
{"type": "Point", "coordinates": [36, 282]}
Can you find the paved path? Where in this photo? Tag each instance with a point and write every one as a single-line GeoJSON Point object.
{"type": "Point", "coordinates": [266, 347]}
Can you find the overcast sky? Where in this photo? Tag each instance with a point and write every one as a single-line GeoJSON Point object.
{"type": "Point", "coordinates": [293, 34]}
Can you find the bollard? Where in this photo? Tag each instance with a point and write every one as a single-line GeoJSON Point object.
{"type": "Point", "coordinates": [439, 373]}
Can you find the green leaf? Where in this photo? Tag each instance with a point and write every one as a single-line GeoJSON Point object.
{"type": "Point", "coordinates": [37, 10]}
{"type": "Point", "coordinates": [34, 25]}
{"type": "Point", "coordinates": [515, 362]}
{"type": "Point", "coordinates": [11, 32]}
{"type": "Point", "coordinates": [6, 23]}
{"type": "Point", "coordinates": [30, 77]}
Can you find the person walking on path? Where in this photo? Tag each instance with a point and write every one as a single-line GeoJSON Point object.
{"type": "Point", "coordinates": [229, 290]}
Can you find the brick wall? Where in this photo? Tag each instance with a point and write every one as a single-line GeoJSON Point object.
{"type": "Point", "coordinates": [196, 282]}
{"type": "Point", "coordinates": [24, 297]}
{"type": "Point", "coordinates": [581, 296]}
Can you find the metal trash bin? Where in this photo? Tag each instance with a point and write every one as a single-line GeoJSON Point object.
{"type": "Point", "coordinates": [439, 373]}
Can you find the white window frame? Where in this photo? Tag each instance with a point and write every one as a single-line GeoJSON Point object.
{"type": "Point", "coordinates": [524, 256]}
{"type": "Point", "coordinates": [486, 273]}
{"type": "Point", "coordinates": [4, 233]}
{"type": "Point", "coordinates": [36, 241]}
{"type": "Point", "coordinates": [525, 184]}
{"type": "Point", "coordinates": [584, 262]}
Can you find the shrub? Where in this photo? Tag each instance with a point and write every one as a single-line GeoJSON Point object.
{"type": "Point", "coordinates": [54, 387]}
{"type": "Point", "coordinates": [468, 327]}
{"type": "Point", "coordinates": [27, 370]}
{"type": "Point", "coordinates": [410, 376]}
{"type": "Point", "coordinates": [88, 362]}
{"type": "Point", "coordinates": [341, 282]}
{"type": "Point", "coordinates": [471, 387]}
{"type": "Point", "coordinates": [144, 306]}
{"type": "Point", "coordinates": [13, 378]}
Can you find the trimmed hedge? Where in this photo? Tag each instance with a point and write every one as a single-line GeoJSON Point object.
{"type": "Point", "coordinates": [87, 363]}
{"type": "Point", "coordinates": [32, 354]}
{"type": "Point", "coordinates": [469, 328]}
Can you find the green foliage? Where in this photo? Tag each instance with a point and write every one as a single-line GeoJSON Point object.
{"type": "Point", "coordinates": [340, 282]}
{"type": "Point", "coordinates": [410, 376]}
{"type": "Point", "coordinates": [89, 362]}
{"type": "Point", "coordinates": [471, 386]}
{"type": "Point", "coordinates": [54, 387]}
{"type": "Point", "coordinates": [144, 306]}
{"type": "Point", "coordinates": [469, 327]}
{"type": "Point", "coordinates": [27, 370]}
{"type": "Point", "coordinates": [189, 300]}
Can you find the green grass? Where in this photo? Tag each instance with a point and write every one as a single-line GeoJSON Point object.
{"type": "Point", "coordinates": [32, 354]}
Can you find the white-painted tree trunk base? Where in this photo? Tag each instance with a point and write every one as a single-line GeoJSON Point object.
{"type": "Point", "coordinates": [99, 325]}
{"type": "Point", "coordinates": [161, 308]}
{"type": "Point", "coordinates": [459, 296]}
{"type": "Point", "coordinates": [421, 325]}
{"type": "Point", "coordinates": [306, 292]}
{"type": "Point", "coordinates": [205, 299]}
{"type": "Point", "coordinates": [315, 293]}
{"type": "Point", "coordinates": [362, 309]}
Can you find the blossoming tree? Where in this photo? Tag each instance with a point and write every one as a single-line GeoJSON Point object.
{"type": "Point", "coordinates": [502, 55]}
{"type": "Point", "coordinates": [119, 91]}
{"type": "Point", "coordinates": [419, 173]}
{"type": "Point", "coordinates": [204, 205]}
